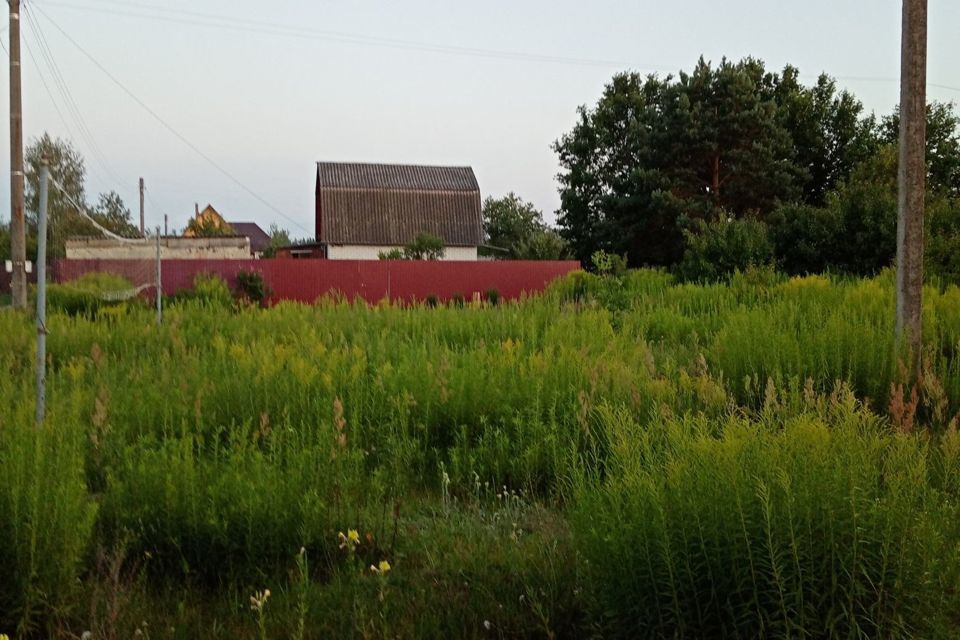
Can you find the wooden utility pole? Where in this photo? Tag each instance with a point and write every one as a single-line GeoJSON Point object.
{"type": "Point", "coordinates": [18, 227]}
{"type": "Point", "coordinates": [911, 179]}
{"type": "Point", "coordinates": [142, 228]}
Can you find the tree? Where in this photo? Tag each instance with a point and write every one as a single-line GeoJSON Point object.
{"type": "Point", "coordinates": [943, 146]}
{"type": "Point", "coordinates": [655, 154]}
{"type": "Point", "coordinates": [66, 202]}
{"type": "Point", "coordinates": [515, 230]}
{"type": "Point", "coordinates": [111, 213]}
{"type": "Point", "coordinates": [279, 237]}
{"type": "Point", "coordinates": [543, 244]}
{"type": "Point", "coordinates": [829, 131]}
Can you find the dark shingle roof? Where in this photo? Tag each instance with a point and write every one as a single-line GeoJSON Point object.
{"type": "Point", "coordinates": [259, 240]}
{"type": "Point", "coordinates": [390, 204]}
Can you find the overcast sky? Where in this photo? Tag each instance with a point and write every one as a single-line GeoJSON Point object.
{"type": "Point", "coordinates": [265, 89]}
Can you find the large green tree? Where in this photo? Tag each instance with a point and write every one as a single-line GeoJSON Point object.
{"type": "Point", "coordinates": [726, 141]}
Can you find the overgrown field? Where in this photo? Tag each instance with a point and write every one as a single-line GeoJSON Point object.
{"type": "Point", "coordinates": [621, 457]}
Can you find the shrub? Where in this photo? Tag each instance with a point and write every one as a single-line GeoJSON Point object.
{"type": "Point", "coordinates": [609, 264]}
{"type": "Point", "coordinates": [493, 296]}
{"type": "Point", "coordinates": [457, 300]}
{"type": "Point", "coordinates": [821, 526]}
{"type": "Point", "coordinates": [806, 239]}
{"type": "Point", "coordinates": [717, 249]}
{"type": "Point", "coordinates": [251, 285]}
{"type": "Point", "coordinates": [211, 289]}
{"type": "Point", "coordinates": [392, 254]}
{"type": "Point", "coordinates": [87, 294]}
{"type": "Point", "coordinates": [432, 300]}
{"type": "Point", "coordinates": [942, 250]}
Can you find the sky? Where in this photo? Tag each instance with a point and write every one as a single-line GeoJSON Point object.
{"type": "Point", "coordinates": [231, 102]}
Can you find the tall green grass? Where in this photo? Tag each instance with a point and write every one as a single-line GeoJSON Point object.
{"type": "Point", "coordinates": [821, 525]}
{"type": "Point", "coordinates": [207, 452]}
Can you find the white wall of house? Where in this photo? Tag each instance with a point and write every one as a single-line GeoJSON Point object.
{"type": "Point", "coordinates": [369, 252]}
{"type": "Point", "coordinates": [172, 248]}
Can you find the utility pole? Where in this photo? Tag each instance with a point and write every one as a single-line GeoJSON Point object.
{"type": "Point", "coordinates": [142, 228]}
{"type": "Point", "coordinates": [42, 293]}
{"type": "Point", "coordinates": [911, 179]}
{"type": "Point", "coordinates": [18, 227]}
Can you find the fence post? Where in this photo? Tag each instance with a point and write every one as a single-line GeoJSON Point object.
{"type": "Point", "coordinates": [42, 293]}
{"type": "Point", "coordinates": [159, 283]}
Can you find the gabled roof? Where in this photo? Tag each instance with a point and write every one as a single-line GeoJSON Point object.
{"type": "Point", "coordinates": [388, 205]}
{"type": "Point", "coordinates": [259, 239]}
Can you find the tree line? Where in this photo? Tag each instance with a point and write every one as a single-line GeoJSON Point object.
{"type": "Point", "coordinates": [732, 165]}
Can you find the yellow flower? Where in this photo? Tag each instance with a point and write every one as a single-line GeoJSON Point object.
{"type": "Point", "coordinates": [380, 569]}
{"type": "Point", "coordinates": [4, 636]}
{"type": "Point", "coordinates": [349, 541]}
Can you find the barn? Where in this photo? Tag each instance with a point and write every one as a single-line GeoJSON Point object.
{"type": "Point", "coordinates": [363, 210]}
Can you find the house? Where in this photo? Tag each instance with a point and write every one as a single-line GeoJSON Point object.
{"type": "Point", "coordinates": [210, 218]}
{"type": "Point", "coordinates": [363, 210]}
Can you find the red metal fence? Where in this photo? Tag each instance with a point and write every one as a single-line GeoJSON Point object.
{"type": "Point", "coordinates": [372, 280]}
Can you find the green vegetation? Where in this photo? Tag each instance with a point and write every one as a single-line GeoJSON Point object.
{"type": "Point", "coordinates": [805, 178]}
{"type": "Point", "coordinates": [514, 230]}
{"type": "Point", "coordinates": [424, 247]}
{"type": "Point", "coordinates": [624, 456]}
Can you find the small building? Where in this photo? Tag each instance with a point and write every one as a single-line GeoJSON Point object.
{"type": "Point", "coordinates": [171, 248]}
{"type": "Point", "coordinates": [363, 210]}
{"type": "Point", "coordinates": [210, 218]}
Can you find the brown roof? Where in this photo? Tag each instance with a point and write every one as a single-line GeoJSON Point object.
{"type": "Point", "coordinates": [389, 205]}
{"type": "Point", "coordinates": [259, 239]}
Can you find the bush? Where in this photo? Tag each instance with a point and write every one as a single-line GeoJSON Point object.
{"type": "Point", "coordinates": [609, 264]}
{"type": "Point", "coordinates": [822, 525]}
{"type": "Point", "coordinates": [87, 294]}
{"type": "Point", "coordinates": [942, 250]}
{"type": "Point", "coordinates": [493, 296]}
{"type": "Point", "coordinates": [208, 289]}
{"type": "Point", "coordinates": [457, 300]}
{"type": "Point", "coordinates": [718, 249]}
{"type": "Point", "coordinates": [252, 287]}
{"type": "Point", "coordinates": [806, 239]}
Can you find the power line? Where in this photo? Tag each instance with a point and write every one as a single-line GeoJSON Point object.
{"type": "Point", "coordinates": [168, 126]}
{"type": "Point", "coordinates": [72, 107]}
{"type": "Point", "coordinates": [218, 21]}
{"type": "Point", "coordinates": [83, 212]}
{"type": "Point", "coordinates": [236, 24]}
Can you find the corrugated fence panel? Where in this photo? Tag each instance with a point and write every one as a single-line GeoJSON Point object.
{"type": "Point", "coordinates": [372, 280]}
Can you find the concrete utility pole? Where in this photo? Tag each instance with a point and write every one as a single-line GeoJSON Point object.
{"type": "Point", "coordinates": [18, 227]}
{"type": "Point", "coordinates": [142, 228]}
{"type": "Point", "coordinates": [911, 179]}
{"type": "Point", "coordinates": [42, 293]}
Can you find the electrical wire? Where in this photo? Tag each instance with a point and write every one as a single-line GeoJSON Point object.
{"type": "Point", "coordinates": [83, 212]}
{"type": "Point", "coordinates": [167, 125]}
{"type": "Point", "coordinates": [196, 18]}
{"type": "Point", "coordinates": [72, 107]}
{"type": "Point", "coordinates": [211, 20]}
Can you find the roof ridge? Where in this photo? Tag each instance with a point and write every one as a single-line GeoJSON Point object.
{"type": "Point", "coordinates": [396, 164]}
